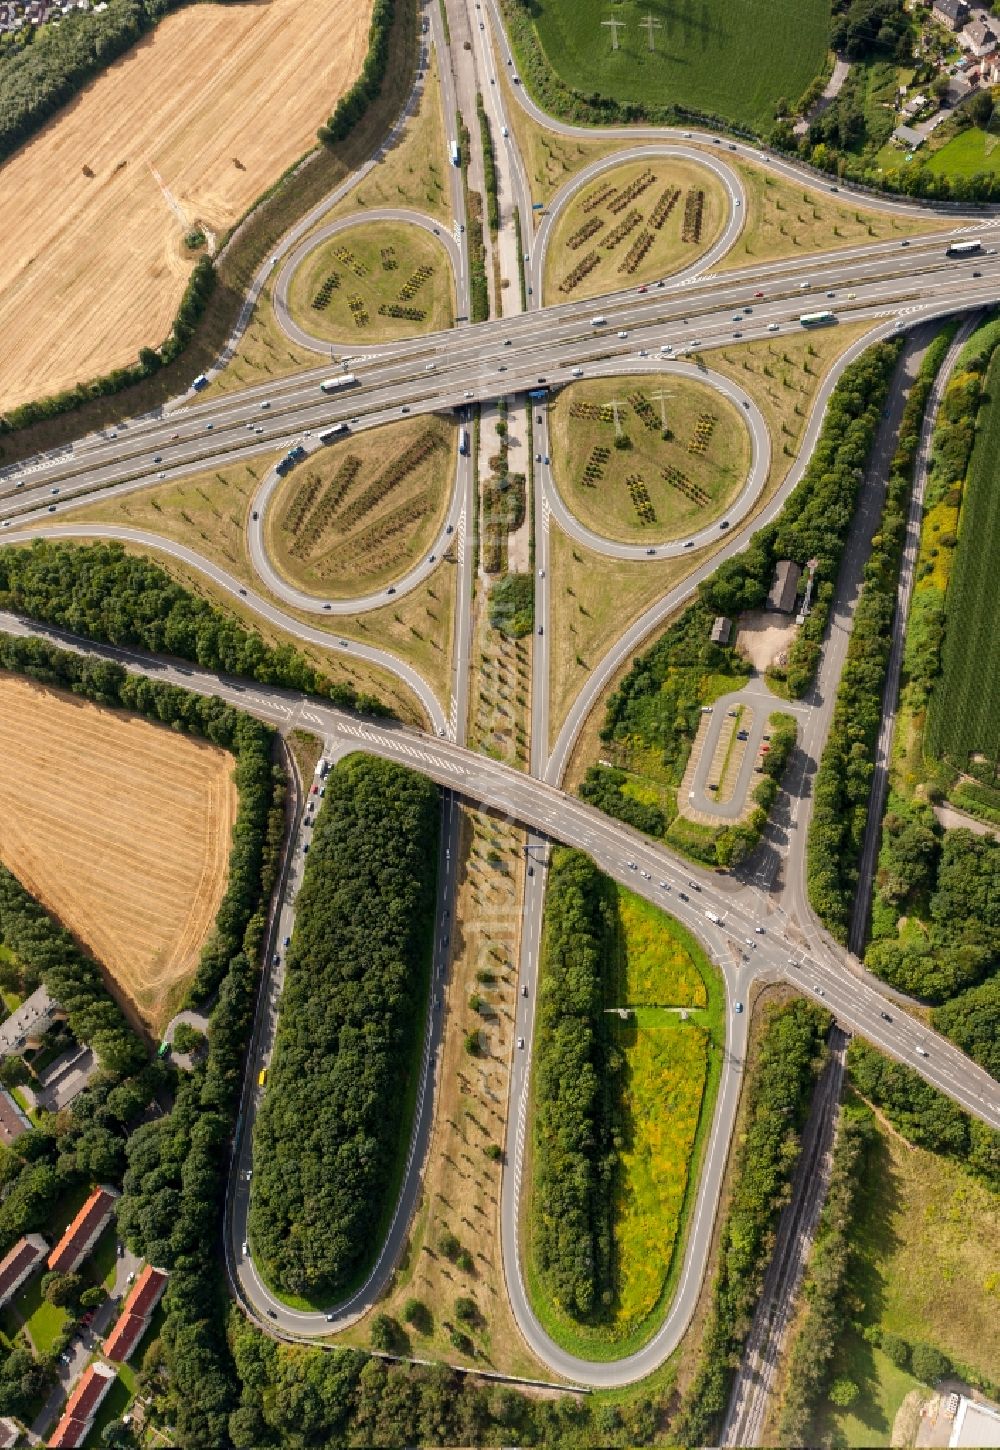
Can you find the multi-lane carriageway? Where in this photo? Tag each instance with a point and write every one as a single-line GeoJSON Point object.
{"type": "Point", "coordinates": [450, 370]}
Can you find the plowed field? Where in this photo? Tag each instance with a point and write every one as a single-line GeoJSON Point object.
{"type": "Point", "coordinates": [121, 829]}
{"type": "Point", "coordinates": [189, 126]}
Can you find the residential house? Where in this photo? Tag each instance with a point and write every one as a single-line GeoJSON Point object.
{"type": "Point", "coordinates": [28, 1024]}
{"type": "Point", "coordinates": [952, 14]}
{"type": "Point", "coordinates": [19, 1264]}
{"type": "Point", "coordinates": [82, 1405]}
{"type": "Point", "coordinates": [979, 38]}
{"type": "Point", "coordinates": [13, 1119]}
{"type": "Point", "coordinates": [136, 1314]}
{"type": "Point", "coordinates": [83, 1233]}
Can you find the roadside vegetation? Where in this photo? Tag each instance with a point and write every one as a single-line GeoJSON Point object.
{"type": "Point", "coordinates": [630, 1032]}
{"type": "Point", "coordinates": [648, 459]}
{"type": "Point", "coordinates": [632, 223]}
{"type": "Point", "coordinates": [335, 1118]}
{"type": "Point", "coordinates": [777, 1093]}
{"type": "Point", "coordinates": [104, 593]}
{"type": "Point", "coordinates": [374, 283]}
{"type": "Point", "coordinates": [653, 715]}
{"type": "Point", "coordinates": [935, 929]}
{"type": "Point", "coordinates": [918, 1288]}
{"type": "Point", "coordinates": [844, 780]}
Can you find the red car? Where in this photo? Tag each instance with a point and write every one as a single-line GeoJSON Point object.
{"type": "Point", "coordinates": [642, 289]}
{"type": "Point", "coordinates": [315, 790]}
{"type": "Point", "coordinates": [758, 294]}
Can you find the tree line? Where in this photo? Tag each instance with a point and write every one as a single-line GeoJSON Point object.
{"type": "Point", "coordinates": [105, 594]}
{"type": "Point", "coordinates": [847, 766]}
{"type": "Point", "coordinates": [825, 1287]}
{"type": "Point", "coordinates": [171, 1210]}
{"type": "Point", "coordinates": [778, 1093]}
{"type": "Point", "coordinates": [357, 98]}
{"type": "Point", "coordinates": [658, 703]}
{"type": "Point", "coordinates": [328, 1133]}
{"type": "Point", "coordinates": [573, 1162]}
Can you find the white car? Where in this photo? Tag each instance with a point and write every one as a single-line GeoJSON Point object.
{"type": "Point", "coordinates": [631, 865]}
{"type": "Point", "coordinates": [737, 1007]}
{"type": "Point", "coordinates": [504, 131]}
{"type": "Point", "coordinates": [520, 1042]}
{"type": "Point", "coordinates": [772, 327]}
{"type": "Point", "coordinates": [759, 930]}
{"type": "Point", "coordinates": [468, 393]}
{"type": "Point", "coordinates": [623, 332]}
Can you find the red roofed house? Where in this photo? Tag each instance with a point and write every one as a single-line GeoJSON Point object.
{"type": "Point", "coordinates": [83, 1233]}
{"type": "Point", "coordinates": [82, 1405]}
{"type": "Point", "coordinates": [22, 1260]}
{"type": "Point", "coordinates": [136, 1312]}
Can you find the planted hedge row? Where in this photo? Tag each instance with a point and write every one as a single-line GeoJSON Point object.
{"type": "Point", "coordinates": [327, 1135]}
{"type": "Point", "coordinates": [354, 102]}
{"type": "Point", "coordinates": [844, 779]}
{"type": "Point", "coordinates": [778, 1089]}
{"type": "Point", "coordinates": [100, 591]}
{"type": "Point", "coordinates": [489, 168]}
{"type": "Point", "coordinates": [573, 1162]}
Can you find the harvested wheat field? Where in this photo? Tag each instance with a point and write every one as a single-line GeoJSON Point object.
{"type": "Point", "coordinates": [188, 127]}
{"type": "Point", "coordinates": [121, 829]}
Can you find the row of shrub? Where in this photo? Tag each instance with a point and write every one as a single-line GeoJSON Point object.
{"type": "Point", "coordinates": [844, 780]}
{"type": "Point", "coordinates": [106, 594]}
{"type": "Point", "coordinates": [479, 292]}
{"type": "Point", "coordinates": [355, 102]}
{"type": "Point", "coordinates": [657, 706]}
{"type": "Point", "coordinates": [825, 1287]}
{"type": "Point", "coordinates": [778, 1091]}
{"type": "Point", "coordinates": [489, 167]}
{"type": "Point", "coordinates": [328, 1133]}
{"type": "Point", "coordinates": [573, 1159]}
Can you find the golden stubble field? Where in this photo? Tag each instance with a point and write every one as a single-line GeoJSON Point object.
{"type": "Point", "coordinates": [189, 126]}
{"type": "Point", "coordinates": [121, 829]}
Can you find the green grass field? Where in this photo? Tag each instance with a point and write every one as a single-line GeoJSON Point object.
{"type": "Point", "coordinates": [659, 962]}
{"type": "Point", "coordinates": [653, 224]}
{"type": "Point", "coordinates": [734, 61]}
{"type": "Point", "coordinates": [966, 154]}
{"type": "Point", "coordinates": [963, 724]}
{"type": "Point", "coordinates": [658, 488]}
{"type": "Point", "coordinates": [338, 290]}
{"type": "Point", "coordinates": [925, 1268]}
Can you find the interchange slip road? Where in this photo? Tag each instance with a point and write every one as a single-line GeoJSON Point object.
{"type": "Point", "coordinates": [665, 327]}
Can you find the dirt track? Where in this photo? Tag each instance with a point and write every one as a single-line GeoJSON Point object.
{"type": "Point", "coordinates": [121, 829]}
{"type": "Point", "coordinates": [190, 125]}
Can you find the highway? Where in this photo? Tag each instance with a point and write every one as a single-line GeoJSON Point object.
{"type": "Point", "coordinates": [669, 326]}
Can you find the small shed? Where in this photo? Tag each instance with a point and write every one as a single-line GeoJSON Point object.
{"type": "Point", "coordinates": [785, 587]}
{"type": "Point", "coordinates": [721, 629]}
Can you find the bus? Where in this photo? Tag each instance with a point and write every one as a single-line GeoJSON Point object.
{"type": "Point", "coordinates": [537, 394]}
{"type": "Point", "coordinates": [329, 434]}
{"type": "Point", "coordinates": [817, 319]}
{"type": "Point", "coordinates": [463, 442]}
{"type": "Point", "coordinates": [333, 385]}
{"type": "Point", "coordinates": [262, 1077]}
{"type": "Point", "coordinates": [456, 156]}
{"type": "Point", "coordinates": [963, 249]}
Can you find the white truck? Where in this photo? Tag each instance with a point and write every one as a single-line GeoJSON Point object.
{"type": "Point", "coordinates": [334, 385]}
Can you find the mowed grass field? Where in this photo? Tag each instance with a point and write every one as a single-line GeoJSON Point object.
{"type": "Point", "coordinates": [339, 291]}
{"type": "Point", "coordinates": [121, 830]}
{"type": "Point", "coordinates": [365, 509]}
{"type": "Point", "coordinates": [190, 126]}
{"type": "Point", "coordinates": [590, 228]}
{"type": "Point", "coordinates": [731, 60]}
{"type": "Point", "coordinates": [963, 723]}
{"type": "Point", "coordinates": [660, 487]}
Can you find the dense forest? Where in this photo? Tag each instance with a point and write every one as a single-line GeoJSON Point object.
{"type": "Point", "coordinates": [572, 1168]}
{"type": "Point", "coordinates": [844, 779]}
{"type": "Point", "coordinates": [103, 593]}
{"type": "Point", "coordinates": [658, 702]}
{"type": "Point", "coordinates": [327, 1135]}
{"type": "Point", "coordinates": [778, 1093]}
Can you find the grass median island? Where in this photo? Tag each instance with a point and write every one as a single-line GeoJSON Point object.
{"type": "Point", "coordinates": [331, 1133]}
{"type": "Point", "coordinates": [644, 459]}
{"type": "Point", "coordinates": [632, 223]}
{"type": "Point", "coordinates": [373, 283]}
{"type": "Point", "coordinates": [786, 218]}
{"type": "Point", "coordinates": [365, 510]}
{"type": "Point", "coordinates": [630, 1035]}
